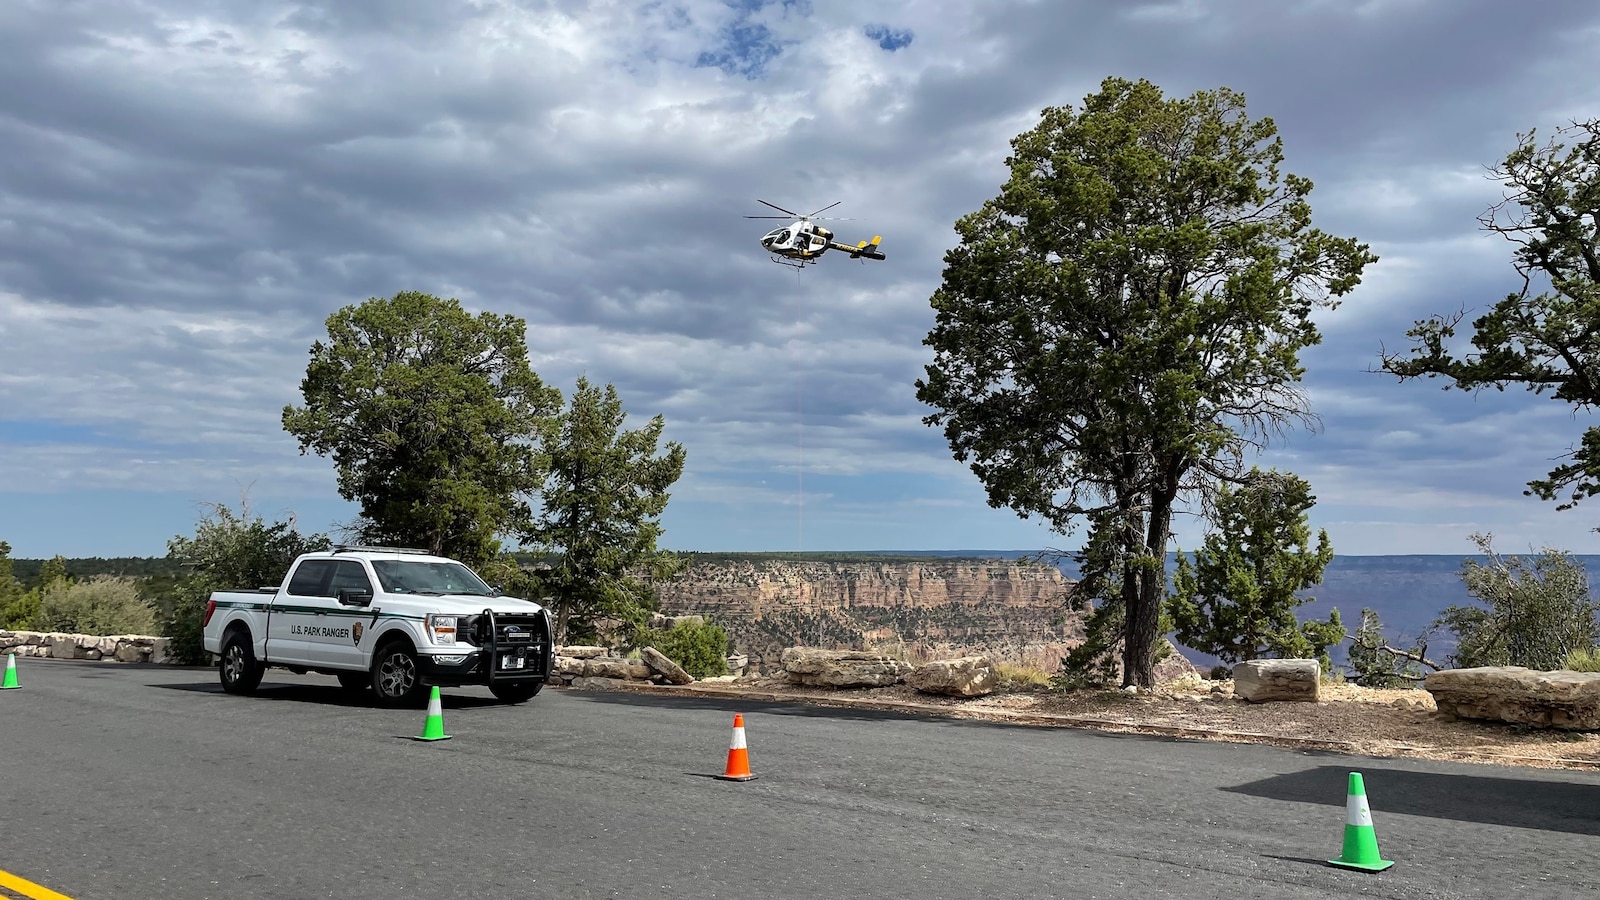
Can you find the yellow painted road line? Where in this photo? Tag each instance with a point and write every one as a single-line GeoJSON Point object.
{"type": "Point", "coordinates": [27, 888]}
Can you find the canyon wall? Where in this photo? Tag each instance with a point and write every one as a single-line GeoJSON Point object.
{"type": "Point", "coordinates": [922, 608]}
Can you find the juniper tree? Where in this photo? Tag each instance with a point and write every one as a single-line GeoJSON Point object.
{"type": "Point", "coordinates": [1123, 322]}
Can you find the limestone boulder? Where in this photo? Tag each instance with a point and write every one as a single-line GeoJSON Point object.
{"type": "Point", "coordinates": [596, 684]}
{"type": "Point", "coordinates": [1565, 700]}
{"type": "Point", "coordinates": [608, 667]}
{"type": "Point", "coordinates": [668, 669]}
{"type": "Point", "coordinates": [813, 667]}
{"type": "Point", "coordinates": [1268, 680]}
{"type": "Point", "coordinates": [66, 646]}
{"type": "Point", "coordinates": [581, 651]}
{"type": "Point", "coordinates": [969, 676]}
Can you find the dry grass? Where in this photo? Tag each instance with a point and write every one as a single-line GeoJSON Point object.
{"type": "Point", "coordinates": [1014, 676]}
{"type": "Point", "coordinates": [1584, 660]}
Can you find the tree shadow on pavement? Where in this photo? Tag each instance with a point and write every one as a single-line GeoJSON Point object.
{"type": "Point", "coordinates": [1545, 804]}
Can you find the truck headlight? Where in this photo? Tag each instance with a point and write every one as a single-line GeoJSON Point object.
{"type": "Point", "coordinates": [442, 629]}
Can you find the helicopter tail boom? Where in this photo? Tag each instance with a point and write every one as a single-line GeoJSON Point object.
{"type": "Point", "coordinates": [869, 249]}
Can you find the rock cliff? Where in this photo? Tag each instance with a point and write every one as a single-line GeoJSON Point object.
{"type": "Point", "coordinates": [1014, 611]}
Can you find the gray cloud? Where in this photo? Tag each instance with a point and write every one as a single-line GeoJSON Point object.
{"type": "Point", "coordinates": [190, 188]}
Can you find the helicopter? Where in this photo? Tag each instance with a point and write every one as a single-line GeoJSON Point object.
{"type": "Point", "coordinates": [802, 242]}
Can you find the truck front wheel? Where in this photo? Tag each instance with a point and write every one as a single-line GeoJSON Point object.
{"type": "Point", "coordinates": [238, 668]}
{"type": "Point", "coordinates": [396, 679]}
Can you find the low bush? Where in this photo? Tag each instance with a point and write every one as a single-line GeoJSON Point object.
{"type": "Point", "coordinates": [701, 649]}
{"type": "Point", "coordinates": [103, 605]}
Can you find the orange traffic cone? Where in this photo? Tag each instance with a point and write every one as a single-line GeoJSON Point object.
{"type": "Point", "coordinates": [738, 754]}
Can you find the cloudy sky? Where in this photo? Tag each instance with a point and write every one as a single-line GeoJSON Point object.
{"type": "Point", "coordinates": [188, 188]}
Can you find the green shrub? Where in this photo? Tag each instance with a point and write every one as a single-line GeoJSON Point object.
{"type": "Point", "coordinates": [229, 551]}
{"type": "Point", "coordinates": [182, 626]}
{"type": "Point", "coordinates": [1531, 613]}
{"type": "Point", "coordinates": [1583, 660]}
{"type": "Point", "coordinates": [103, 605]}
{"type": "Point", "coordinates": [701, 649]}
{"type": "Point", "coordinates": [21, 613]}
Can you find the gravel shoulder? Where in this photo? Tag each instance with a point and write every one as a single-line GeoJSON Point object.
{"type": "Point", "coordinates": [1346, 718]}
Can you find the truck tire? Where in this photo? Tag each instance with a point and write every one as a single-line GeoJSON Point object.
{"type": "Point", "coordinates": [516, 692]}
{"type": "Point", "coordinates": [355, 682]}
{"type": "Point", "coordinates": [396, 678]}
{"type": "Point", "coordinates": [238, 668]}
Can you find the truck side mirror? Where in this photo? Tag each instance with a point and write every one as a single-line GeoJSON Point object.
{"type": "Point", "coordinates": [354, 597]}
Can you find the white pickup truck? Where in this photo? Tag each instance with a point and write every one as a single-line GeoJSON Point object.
{"type": "Point", "coordinates": [397, 621]}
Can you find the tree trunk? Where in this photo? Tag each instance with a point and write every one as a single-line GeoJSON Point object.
{"type": "Point", "coordinates": [1142, 627]}
{"type": "Point", "coordinates": [563, 609]}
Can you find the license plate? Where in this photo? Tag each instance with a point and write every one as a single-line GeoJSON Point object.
{"type": "Point", "coordinates": [511, 662]}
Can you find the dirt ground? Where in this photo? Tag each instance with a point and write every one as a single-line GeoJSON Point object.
{"type": "Point", "coordinates": [1346, 718]}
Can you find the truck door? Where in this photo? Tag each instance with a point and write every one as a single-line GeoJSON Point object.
{"type": "Point", "coordinates": [343, 630]}
{"type": "Point", "coordinates": [299, 611]}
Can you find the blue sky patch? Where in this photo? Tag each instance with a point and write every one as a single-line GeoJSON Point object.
{"type": "Point", "coordinates": [745, 47]}
{"type": "Point", "coordinates": [890, 39]}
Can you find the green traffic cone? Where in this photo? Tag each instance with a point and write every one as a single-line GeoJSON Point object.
{"type": "Point", "coordinates": [11, 673]}
{"type": "Point", "coordinates": [433, 728]}
{"type": "Point", "coordinates": [1360, 841]}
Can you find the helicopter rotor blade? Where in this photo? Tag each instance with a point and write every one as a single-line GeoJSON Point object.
{"type": "Point", "coordinates": [824, 209]}
{"type": "Point", "coordinates": [779, 208]}
{"type": "Point", "coordinates": [770, 217]}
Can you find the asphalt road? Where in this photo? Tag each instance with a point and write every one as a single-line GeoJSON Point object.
{"type": "Point", "coordinates": [147, 782]}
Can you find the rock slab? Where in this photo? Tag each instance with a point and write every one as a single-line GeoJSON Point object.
{"type": "Point", "coordinates": [969, 676]}
{"type": "Point", "coordinates": [1566, 700]}
{"type": "Point", "coordinates": [660, 663]}
{"type": "Point", "coordinates": [1270, 680]}
{"type": "Point", "coordinates": [812, 667]}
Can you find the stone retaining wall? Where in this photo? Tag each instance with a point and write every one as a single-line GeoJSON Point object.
{"type": "Point", "coordinates": [135, 648]}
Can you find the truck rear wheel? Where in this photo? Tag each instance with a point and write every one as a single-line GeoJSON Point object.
{"type": "Point", "coordinates": [515, 691]}
{"type": "Point", "coordinates": [396, 678]}
{"type": "Point", "coordinates": [238, 668]}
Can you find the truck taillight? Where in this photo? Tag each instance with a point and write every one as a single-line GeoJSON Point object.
{"type": "Point", "coordinates": [211, 607]}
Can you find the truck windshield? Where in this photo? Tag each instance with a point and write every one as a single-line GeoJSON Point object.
{"type": "Point", "coordinates": [403, 576]}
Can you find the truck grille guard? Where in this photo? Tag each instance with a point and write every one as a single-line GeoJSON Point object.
{"type": "Point", "coordinates": [541, 650]}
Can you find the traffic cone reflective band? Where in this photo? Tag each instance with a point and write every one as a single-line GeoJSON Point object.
{"type": "Point", "coordinates": [1360, 841]}
{"type": "Point", "coordinates": [433, 728]}
{"type": "Point", "coordinates": [11, 673]}
{"type": "Point", "coordinates": [738, 768]}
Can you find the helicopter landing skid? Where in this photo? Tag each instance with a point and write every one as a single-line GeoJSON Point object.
{"type": "Point", "coordinates": [793, 265]}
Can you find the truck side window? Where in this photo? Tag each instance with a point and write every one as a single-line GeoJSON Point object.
{"type": "Point", "coordinates": [311, 578]}
{"type": "Point", "coordinates": [348, 573]}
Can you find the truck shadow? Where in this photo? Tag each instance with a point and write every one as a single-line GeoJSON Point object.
{"type": "Point", "coordinates": [325, 695]}
{"type": "Point", "coordinates": [1563, 802]}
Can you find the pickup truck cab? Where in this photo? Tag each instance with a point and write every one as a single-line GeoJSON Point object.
{"type": "Point", "coordinates": [397, 621]}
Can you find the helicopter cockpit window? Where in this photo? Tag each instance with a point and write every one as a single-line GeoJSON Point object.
{"type": "Point", "coordinates": [783, 237]}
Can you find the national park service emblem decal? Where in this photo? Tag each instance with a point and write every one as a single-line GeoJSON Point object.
{"type": "Point", "coordinates": [355, 632]}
